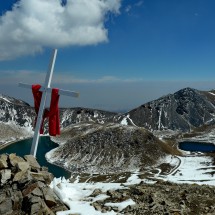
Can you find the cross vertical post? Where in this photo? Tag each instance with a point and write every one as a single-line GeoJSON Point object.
{"type": "Point", "coordinates": [45, 89]}
{"type": "Point", "coordinates": [42, 104]}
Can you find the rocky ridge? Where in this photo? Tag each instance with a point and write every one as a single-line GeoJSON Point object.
{"type": "Point", "coordinates": [24, 187]}
{"type": "Point", "coordinates": [184, 110]}
{"type": "Point", "coordinates": [71, 116]}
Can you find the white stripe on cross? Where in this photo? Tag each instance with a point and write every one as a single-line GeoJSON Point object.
{"type": "Point", "coordinates": [45, 89]}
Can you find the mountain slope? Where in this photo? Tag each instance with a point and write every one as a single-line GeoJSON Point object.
{"type": "Point", "coordinates": [16, 112]}
{"type": "Point", "coordinates": [184, 110]}
{"type": "Point", "coordinates": [16, 119]}
{"type": "Point", "coordinates": [106, 148]}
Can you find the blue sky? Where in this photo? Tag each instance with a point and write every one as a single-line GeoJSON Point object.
{"type": "Point", "coordinates": [153, 47]}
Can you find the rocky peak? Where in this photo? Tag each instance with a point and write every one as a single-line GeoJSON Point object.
{"type": "Point", "coordinates": [184, 110]}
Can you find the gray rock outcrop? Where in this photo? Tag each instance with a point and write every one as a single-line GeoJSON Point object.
{"type": "Point", "coordinates": [24, 187]}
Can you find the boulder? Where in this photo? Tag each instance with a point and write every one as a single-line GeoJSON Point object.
{"type": "Point", "coordinates": [5, 175]}
{"type": "Point", "coordinates": [17, 200]}
{"type": "Point", "coordinates": [3, 161]}
{"type": "Point", "coordinates": [37, 176]}
{"type": "Point", "coordinates": [37, 192]}
{"type": "Point", "coordinates": [49, 196]}
{"type": "Point", "coordinates": [6, 206]}
{"type": "Point", "coordinates": [22, 177]}
{"type": "Point", "coordinates": [32, 161]}
{"type": "Point", "coordinates": [28, 189]}
{"type": "Point", "coordinates": [2, 196]}
{"type": "Point", "coordinates": [48, 177]}
{"type": "Point", "coordinates": [23, 166]}
{"type": "Point", "coordinates": [15, 159]}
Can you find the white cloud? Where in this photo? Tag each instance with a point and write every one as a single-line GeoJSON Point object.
{"type": "Point", "coordinates": [35, 24]}
{"type": "Point", "coordinates": [139, 4]}
{"type": "Point", "coordinates": [128, 8]}
{"type": "Point", "coordinates": [131, 7]}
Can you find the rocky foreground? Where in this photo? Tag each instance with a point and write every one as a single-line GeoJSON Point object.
{"type": "Point", "coordinates": [24, 187]}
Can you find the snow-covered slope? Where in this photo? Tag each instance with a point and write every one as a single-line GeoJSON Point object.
{"type": "Point", "coordinates": [77, 115]}
{"type": "Point", "coordinates": [16, 119]}
{"type": "Point", "coordinates": [17, 112]}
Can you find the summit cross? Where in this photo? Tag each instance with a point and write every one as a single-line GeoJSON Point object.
{"type": "Point", "coordinates": [45, 89]}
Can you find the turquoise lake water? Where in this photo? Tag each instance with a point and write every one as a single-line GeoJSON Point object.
{"type": "Point", "coordinates": [45, 144]}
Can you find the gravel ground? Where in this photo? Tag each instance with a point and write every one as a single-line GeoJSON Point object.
{"type": "Point", "coordinates": [163, 198]}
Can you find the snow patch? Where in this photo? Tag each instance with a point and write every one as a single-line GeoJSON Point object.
{"type": "Point", "coordinates": [190, 169]}
{"type": "Point", "coordinates": [76, 196]}
{"type": "Point", "coordinates": [6, 99]}
{"type": "Point", "coordinates": [127, 119]}
{"type": "Point", "coordinates": [121, 205]}
{"type": "Point", "coordinates": [124, 121]}
{"type": "Point", "coordinates": [212, 93]}
{"type": "Point", "coordinates": [133, 179]}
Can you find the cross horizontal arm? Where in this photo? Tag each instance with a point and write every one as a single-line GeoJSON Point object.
{"type": "Point", "coordinates": [49, 89]}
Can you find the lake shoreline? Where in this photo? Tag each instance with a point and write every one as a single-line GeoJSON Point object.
{"type": "Point", "coordinates": [22, 147]}
{"type": "Point", "coordinates": [4, 145]}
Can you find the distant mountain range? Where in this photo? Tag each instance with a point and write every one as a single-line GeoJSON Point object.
{"type": "Point", "coordinates": [184, 110]}
{"type": "Point", "coordinates": [17, 112]}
